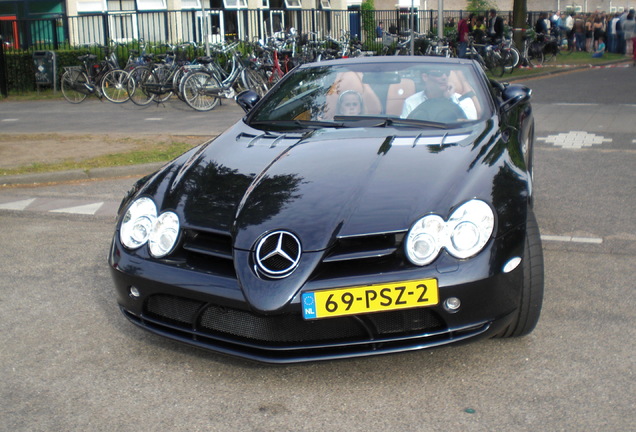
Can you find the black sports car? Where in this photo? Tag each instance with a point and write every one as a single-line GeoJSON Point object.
{"type": "Point", "coordinates": [363, 206]}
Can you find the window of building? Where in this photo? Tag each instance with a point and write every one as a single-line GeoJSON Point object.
{"type": "Point", "coordinates": [325, 4]}
{"type": "Point", "coordinates": [235, 4]}
{"type": "Point", "coordinates": [190, 4]}
{"type": "Point", "coordinates": [91, 6]}
{"type": "Point", "coordinates": [293, 4]}
{"type": "Point", "coordinates": [151, 4]}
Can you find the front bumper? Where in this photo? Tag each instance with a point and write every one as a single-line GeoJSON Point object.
{"type": "Point", "coordinates": [210, 311]}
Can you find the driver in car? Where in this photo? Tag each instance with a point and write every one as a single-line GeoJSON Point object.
{"type": "Point", "coordinates": [437, 99]}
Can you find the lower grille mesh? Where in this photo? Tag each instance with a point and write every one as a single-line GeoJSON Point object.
{"type": "Point", "coordinates": [284, 329]}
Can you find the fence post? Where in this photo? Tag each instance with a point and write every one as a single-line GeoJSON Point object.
{"type": "Point", "coordinates": [4, 84]}
{"type": "Point", "coordinates": [106, 29]}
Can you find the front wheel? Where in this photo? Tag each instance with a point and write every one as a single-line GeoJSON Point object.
{"type": "Point", "coordinates": [495, 64]}
{"type": "Point", "coordinates": [535, 58]}
{"type": "Point", "coordinates": [198, 91]}
{"type": "Point", "coordinates": [254, 81]}
{"type": "Point", "coordinates": [75, 86]}
{"type": "Point", "coordinates": [114, 86]}
{"type": "Point", "coordinates": [529, 309]}
{"type": "Point", "coordinates": [137, 85]}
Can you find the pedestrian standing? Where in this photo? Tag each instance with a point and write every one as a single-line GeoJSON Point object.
{"type": "Point", "coordinates": [629, 31]}
{"type": "Point", "coordinates": [463, 29]}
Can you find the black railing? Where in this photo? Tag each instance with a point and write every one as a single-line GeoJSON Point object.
{"type": "Point", "coordinates": [192, 25]}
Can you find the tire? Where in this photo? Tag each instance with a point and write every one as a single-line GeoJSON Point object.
{"type": "Point", "coordinates": [71, 80]}
{"type": "Point", "coordinates": [513, 60]}
{"type": "Point", "coordinates": [114, 86]}
{"type": "Point", "coordinates": [529, 309]}
{"type": "Point", "coordinates": [508, 61]}
{"type": "Point", "coordinates": [138, 77]}
{"type": "Point", "coordinates": [536, 58]}
{"type": "Point", "coordinates": [194, 91]}
{"type": "Point", "coordinates": [162, 75]}
{"type": "Point", "coordinates": [254, 81]}
{"type": "Point", "coordinates": [495, 65]}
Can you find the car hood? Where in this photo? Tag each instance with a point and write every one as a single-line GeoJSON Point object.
{"type": "Point", "coordinates": [325, 184]}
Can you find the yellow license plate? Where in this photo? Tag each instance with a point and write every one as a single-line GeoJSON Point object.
{"type": "Point", "coordinates": [370, 298]}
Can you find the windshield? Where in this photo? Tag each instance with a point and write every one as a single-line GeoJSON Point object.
{"type": "Point", "coordinates": [374, 94]}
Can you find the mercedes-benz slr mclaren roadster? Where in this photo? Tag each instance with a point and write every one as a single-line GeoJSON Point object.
{"type": "Point", "coordinates": [362, 206]}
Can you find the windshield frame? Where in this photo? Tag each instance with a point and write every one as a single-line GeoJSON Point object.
{"type": "Point", "coordinates": [299, 100]}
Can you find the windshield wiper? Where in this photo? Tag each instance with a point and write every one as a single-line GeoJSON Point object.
{"type": "Point", "coordinates": [304, 124]}
{"type": "Point", "coordinates": [382, 121]}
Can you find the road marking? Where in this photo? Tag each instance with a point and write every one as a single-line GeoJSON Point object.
{"type": "Point", "coordinates": [154, 119]}
{"type": "Point", "coordinates": [88, 209]}
{"type": "Point", "coordinates": [17, 205]}
{"type": "Point", "coordinates": [575, 139]}
{"type": "Point", "coordinates": [575, 104]}
{"type": "Point", "coordinates": [572, 239]}
{"type": "Point", "coordinates": [10, 120]}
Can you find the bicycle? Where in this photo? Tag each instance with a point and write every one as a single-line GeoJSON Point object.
{"type": "Point", "coordinates": [202, 89]}
{"type": "Point", "coordinates": [104, 79]}
{"type": "Point", "coordinates": [532, 52]}
{"type": "Point", "coordinates": [158, 80]}
{"type": "Point", "coordinates": [491, 60]}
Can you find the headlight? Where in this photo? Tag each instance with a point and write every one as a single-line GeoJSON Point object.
{"type": "Point", "coordinates": [137, 223]}
{"type": "Point", "coordinates": [470, 227]}
{"type": "Point", "coordinates": [164, 234]}
{"type": "Point", "coordinates": [425, 240]}
{"type": "Point", "coordinates": [464, 234]}
{"type": "Point", "coordinates": [141, 225]}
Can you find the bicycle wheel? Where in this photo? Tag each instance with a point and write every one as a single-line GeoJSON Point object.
{"type": "Point", "coordinates": [114, 86]}
{"type": "Point", "coordinates": [508, 61]}
{"type": "Point", "coordinates": [516, 57]}
{"type": "Point", "coordinates": [495, 64]}
{"type": "Point", "coordinates": [138, 79]}
{"type": "Point", "coordinates": [163, 76]}
{"type": "Point", "coordinates": [566, 47]}
{"type": "Point", "coordinates": [535, 58]}
{"type": "Point", "coordinates": [196, 90]}
{"type": "Point", "coordinates": [252, 80]}
{"type": "Point", "coordinates": [74, 84]}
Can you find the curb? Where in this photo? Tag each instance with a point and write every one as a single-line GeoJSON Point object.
{"type": "Point", "coordinates": [65, 176]}
{"type": "Point", "coordinates": [560, 69]}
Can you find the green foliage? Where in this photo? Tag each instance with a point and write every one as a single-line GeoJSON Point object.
{"type": "Point", "coordinates": [479, 6]}
{"type": "Point", "coordinates": [367, 9]}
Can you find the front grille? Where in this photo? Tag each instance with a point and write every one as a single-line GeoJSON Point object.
{"type": "Point", "coordinates": [211, 252]}
{"type": "Point", "coordinates": [246, 327]}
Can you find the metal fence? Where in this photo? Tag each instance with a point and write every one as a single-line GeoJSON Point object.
{"type": "Point", "coordinates": [23, 37]}
{"type": "Point", "coordinates": [213, 25]}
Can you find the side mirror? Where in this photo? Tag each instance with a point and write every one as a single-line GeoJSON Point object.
{"type": "Point", "coordinates": [513, 95]}
{"type": "Point", "coordinates": [247, 99]}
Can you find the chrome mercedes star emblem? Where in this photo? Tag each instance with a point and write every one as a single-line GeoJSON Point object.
{"type": "Point", "coordinates": [278, 254]}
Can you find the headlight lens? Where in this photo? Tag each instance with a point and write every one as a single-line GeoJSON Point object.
{"type": "Point", "coordinates": [141, 225]}
{"type": "Point", "coordinates": [464, 234]}
{"type": "Point", "coordinates": [425, 239]}
{"type": "Point", "coordinates": [470, 227]}
{"type": "Point", "coordinates": [137, 223]}
{"type": "Point", "coordinates": [164, 234]}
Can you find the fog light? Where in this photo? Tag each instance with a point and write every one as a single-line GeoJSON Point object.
{"type": "Point", "coordinates": [511, 265]}
{"type": "Point", "coordinates": [452, 304]}
{"type": "Point", "coordinates": [134, 292]}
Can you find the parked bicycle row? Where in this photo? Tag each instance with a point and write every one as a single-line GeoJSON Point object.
{"type": "Point", "coordinates": [201, 81]}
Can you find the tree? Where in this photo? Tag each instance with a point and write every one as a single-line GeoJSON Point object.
{"type": "Point", "coordinates": [479, 6]}
{"type": "Point", "coordinates": [367, 9]}
{"type": "Point", "coordinates": [519, 18]}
